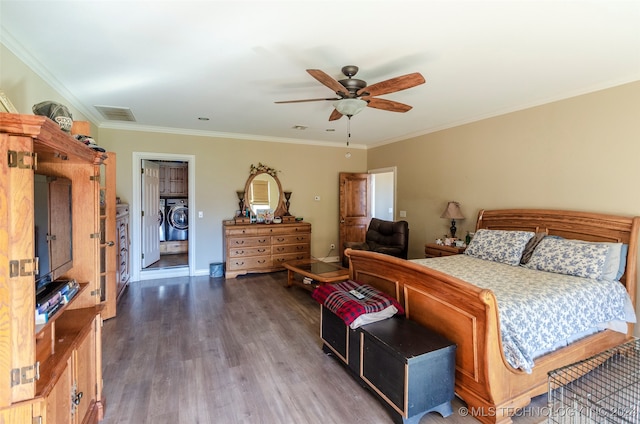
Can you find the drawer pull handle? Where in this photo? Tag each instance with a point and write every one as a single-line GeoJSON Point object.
{"type": "Point", "coordinates": [262, 250]}
{"type": "Point", "coordinates": [280, 239]}
{"type": "Point", "coordinates": [280, 249]}
{"type": "Point", "coordinates": [262, 261]}
{"type": "Point", "coordinates": [240, 263]}
{"type": "Point", "coordinates": [262, 241]}
{"type": "Point", "coordinates": [239, 241]}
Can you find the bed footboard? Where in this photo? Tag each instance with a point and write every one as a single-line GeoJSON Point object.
{"type": "Point", "coordinates": [468, 316]}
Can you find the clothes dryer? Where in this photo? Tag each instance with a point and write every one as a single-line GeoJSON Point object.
{"type": "Point", "coordinates": [177, 219]}
{"type": "Point", "coordinates": [162, 221]}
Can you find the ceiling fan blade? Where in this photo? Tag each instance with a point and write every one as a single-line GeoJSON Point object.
{"type": "Point", "coordinates": [389, 105]}
{"type": "Point", "coordinates": [392, 85]}
{"type": "Point", "coordinates": [335, 115]}
{"type": "Point", "coordinates": [327, 80]}
{"type": "Point", "coordinates": [307, 100]}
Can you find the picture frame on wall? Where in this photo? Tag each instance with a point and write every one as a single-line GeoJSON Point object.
{"type": "Point", "coordinates": [6, 105]}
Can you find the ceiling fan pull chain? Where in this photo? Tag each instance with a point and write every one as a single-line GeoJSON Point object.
{"type": "Point", "coordinates": [348, 129]}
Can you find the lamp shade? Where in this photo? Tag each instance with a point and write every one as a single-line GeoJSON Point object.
{"type": "Point", "coordinates": [452, 211]}
{"type": "Point", "coordinates": [350, 107]}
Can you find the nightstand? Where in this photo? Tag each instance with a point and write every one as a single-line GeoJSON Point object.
{"type": "Point", "coordinates": [433, 250]}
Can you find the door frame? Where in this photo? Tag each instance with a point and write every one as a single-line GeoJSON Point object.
{"type": "Point", "coordinates": [137, 274]}
{"type": "Point", "coordinates": [394, 171]}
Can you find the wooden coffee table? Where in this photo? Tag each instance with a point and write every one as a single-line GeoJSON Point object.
{"type": "Point", "coordinates": [320, 272]}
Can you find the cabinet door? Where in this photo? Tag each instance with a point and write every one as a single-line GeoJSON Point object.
{"type": "Point", "coordinates": [17, 414]}
{"type": "Point", "coordinates": [60, 223]}
{"type": "Point", "coordinates": [17, 292]}
{"type": "Point", "coordinates": [108, 249]}
{"type": "Point", "coordinates": [123, 253]}
{"type": "Point", "coordinates": [85, 375]}
{"type": "Point", "coordinates": [58, 403]}
{"type": "Point", "coordinates": [176, 180]}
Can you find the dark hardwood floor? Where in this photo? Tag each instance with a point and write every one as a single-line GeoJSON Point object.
{"type": "Point", "coordinates": [247, 350]}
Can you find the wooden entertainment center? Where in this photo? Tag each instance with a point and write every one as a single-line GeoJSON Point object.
{"type": "Point", "coordinates": [52, 372]}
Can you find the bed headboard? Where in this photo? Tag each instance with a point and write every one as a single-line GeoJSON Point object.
{"type": "Point", "coordinates": [572, 225]}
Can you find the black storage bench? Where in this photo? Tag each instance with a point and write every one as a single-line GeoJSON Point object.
{"type": "Point", "coordinates": [410, 368]}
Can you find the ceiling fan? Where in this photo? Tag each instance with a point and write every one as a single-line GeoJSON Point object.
{"type": "Point", "coordinates": [354, 94]}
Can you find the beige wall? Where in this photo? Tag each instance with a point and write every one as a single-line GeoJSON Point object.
{"type": "Point", "coordinates": [222, 167]}
{"type": "Point", "coordinates": [579, 154]}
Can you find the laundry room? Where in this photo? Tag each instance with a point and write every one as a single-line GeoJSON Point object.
{"type": "Point", "coordinates": [174, 214]}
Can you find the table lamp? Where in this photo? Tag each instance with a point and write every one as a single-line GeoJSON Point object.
{"type": "Point", "coordinates": [452, 212]}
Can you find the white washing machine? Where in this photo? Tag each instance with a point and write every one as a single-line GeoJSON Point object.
{"type": "Point", "coordinates": [177, 219]}
{"type": "Point", "coordinates": [162, 222]}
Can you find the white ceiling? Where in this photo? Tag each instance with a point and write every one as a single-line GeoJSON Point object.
{"type": "Point", "coordinates": [174, 61]}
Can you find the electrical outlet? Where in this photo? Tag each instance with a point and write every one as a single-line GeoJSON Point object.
{"type": "Point", "coordinates": [332, 246]}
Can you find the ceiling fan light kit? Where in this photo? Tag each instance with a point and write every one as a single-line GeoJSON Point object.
{"type": "Point", "coordinates": [350, 107]}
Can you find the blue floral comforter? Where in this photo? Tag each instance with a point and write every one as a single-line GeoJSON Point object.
{"type": "Point", "coordinates": [540, 311]}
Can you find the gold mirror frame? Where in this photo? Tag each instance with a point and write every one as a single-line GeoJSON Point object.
{"type": "Point", "coordinates": [280, 209]}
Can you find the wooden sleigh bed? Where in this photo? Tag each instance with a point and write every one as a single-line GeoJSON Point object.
{"type": "Point", "coordinates": [468, 315]}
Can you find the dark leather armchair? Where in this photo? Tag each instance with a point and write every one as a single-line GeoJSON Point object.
{"type": "Point", "coordinates": [388, 237]}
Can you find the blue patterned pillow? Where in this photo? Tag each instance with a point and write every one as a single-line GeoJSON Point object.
{"type": "Point", "coordinates": [569, 257]}
{"type": "Point", "coordinates": [499, 245]}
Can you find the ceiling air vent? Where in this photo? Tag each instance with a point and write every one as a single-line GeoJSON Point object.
{"type": "Point", "coordinates": [113, 113]}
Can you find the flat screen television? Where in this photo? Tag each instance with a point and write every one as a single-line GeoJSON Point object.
{"type": "Point", "coordinates": [53, 229]}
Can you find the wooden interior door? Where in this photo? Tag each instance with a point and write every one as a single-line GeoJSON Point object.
{"type": "Point", "coordinates": [355, 207]}
{"type": "Point", "coordinates": [150, 211]}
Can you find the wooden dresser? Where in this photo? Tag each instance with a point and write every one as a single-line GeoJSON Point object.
{"type": "Point", "coordinates": [264, 247]}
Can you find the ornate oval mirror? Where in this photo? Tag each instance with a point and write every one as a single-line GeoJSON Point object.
{"type": "Point", "coordinates": [264, 192]}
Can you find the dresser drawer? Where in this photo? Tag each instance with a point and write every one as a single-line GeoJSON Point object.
{"type": "Point", "coordinates": [278, 260]}
{"type": "Point", "coordinates": [254, 262]}
{"type": "Point", "coordinates": [275, 229]}
{"type": "Point", "coordinates": [244, 231]}
{"type": "Point", "coordinates": [243, 252]}
{"type": "Point", "coordinates": [235, 243]}
{"type": "Point", "coordinates": [291, 239]}
{"type": "Point", "coordinates": [432, 250]}
{"type": "Point", "coordinates": [280, 249]}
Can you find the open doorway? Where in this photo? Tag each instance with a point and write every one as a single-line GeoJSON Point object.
{"type": "Point", "coordinates": [169, 227]}
{"type": "Point", "coordinates": [173, 218]}
{"type": "Point", "coordinates": [383, 196]}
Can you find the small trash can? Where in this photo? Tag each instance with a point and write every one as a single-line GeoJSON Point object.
{"type": "Point", "coordinates": [216, 269]}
